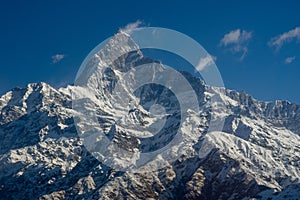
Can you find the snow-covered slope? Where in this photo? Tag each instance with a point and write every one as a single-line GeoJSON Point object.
{"type": "Point", "coordinates": [255, 155]}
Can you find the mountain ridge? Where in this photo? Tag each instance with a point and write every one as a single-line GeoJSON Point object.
{"type": "Point", "coordinates": [256, 154]}
{"type": "Point", "coordinates": [61, 127]}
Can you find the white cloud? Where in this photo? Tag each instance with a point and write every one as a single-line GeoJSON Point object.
{"type": "Point", "coordinates": [286, 37]}
{"type": "Point", "coordinates": [236, 37]}
{"type": "Point", "coordinates": [237, 41]}
{"type": "Point", "coordinates": [131, 26]}
{"type": "Point", "coordinates": [205, 62]}
{"type": "Point", "coordinates": [57, 58]}
{"type": "Point", "coordinates": [289, 60]}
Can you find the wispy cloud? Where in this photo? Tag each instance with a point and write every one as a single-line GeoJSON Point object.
{"type": "Point", "coordinates": [57, 58]}
{"type": "Point", "coordinates": [205, 62]}
{"type": "Point", "coordinates": [131, 26]}
{"type": "Point", "coordinates": [289, 60]}
{"type": "Point", "coordinates": [286, 37]}
{"type": "Point", "coordinates": [237, 41]}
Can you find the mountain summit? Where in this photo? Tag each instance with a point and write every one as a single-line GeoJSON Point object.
{"type": "Point", "coordinates": [256, 155]}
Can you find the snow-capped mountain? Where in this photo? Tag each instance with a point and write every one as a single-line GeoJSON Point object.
{"type": "Point", "coordinates": [256, 155]}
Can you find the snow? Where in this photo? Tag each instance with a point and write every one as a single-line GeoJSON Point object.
{"type": "Point", "coordinates": [256, 159]}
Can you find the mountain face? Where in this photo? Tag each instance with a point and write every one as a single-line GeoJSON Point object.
{"type": "Point", "coordinates": [256, 154]}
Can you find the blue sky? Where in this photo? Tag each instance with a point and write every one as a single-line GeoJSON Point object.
{"type": "Point", "coordinates": [256, 44]}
